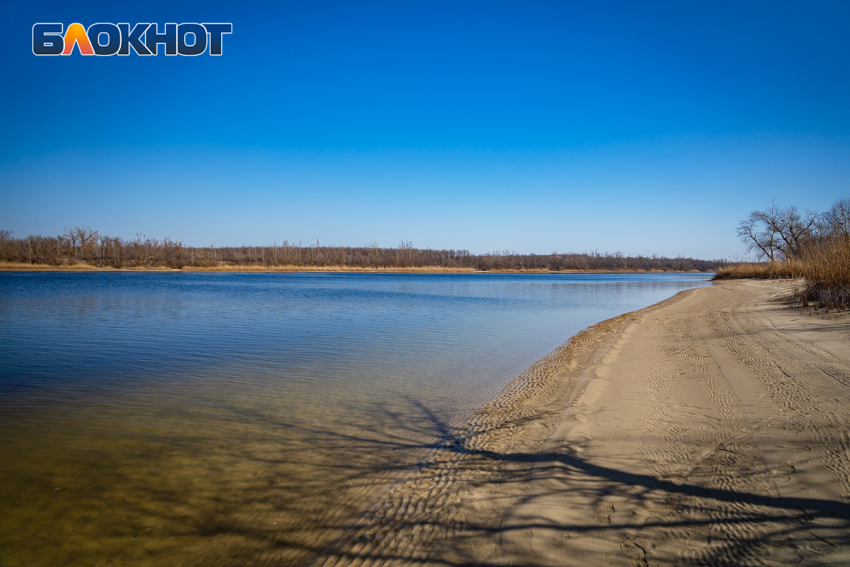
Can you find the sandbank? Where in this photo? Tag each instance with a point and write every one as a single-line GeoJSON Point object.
{"type": "Point", "coordinates": [711, 428]}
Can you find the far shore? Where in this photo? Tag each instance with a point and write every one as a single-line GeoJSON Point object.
{"type": "Point", "coordinates": [22, 267]}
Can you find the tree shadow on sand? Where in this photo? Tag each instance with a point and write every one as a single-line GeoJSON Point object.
{"type": "Point", "coordinates": [288, 493]}
{"type": "Point", "coordinates": [498, 512]}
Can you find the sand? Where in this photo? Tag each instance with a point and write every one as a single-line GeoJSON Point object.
{"type": "Point", "coordinates": [710, 429]}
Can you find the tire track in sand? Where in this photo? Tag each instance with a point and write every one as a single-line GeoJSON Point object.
{"type": "Point", "coordinates": [449, 496]}
{"type": "Point", "coordinates": [706, 430]}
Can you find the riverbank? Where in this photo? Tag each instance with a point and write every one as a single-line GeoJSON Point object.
{"type": "Point", "coordinates": [710, 428]}
{"type": "Point", "coordinates": [244, 420]}
{"type": "Point", "coordinates": [22, 267]}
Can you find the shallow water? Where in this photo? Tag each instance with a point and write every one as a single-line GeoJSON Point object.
{"type": "Point", "coordinates": [244, 419]}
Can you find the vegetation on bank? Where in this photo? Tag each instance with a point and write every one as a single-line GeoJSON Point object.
{"type": "Point", "coordinates": [813, 247]}
{"type": "Point", "coordinates": [83, 247]}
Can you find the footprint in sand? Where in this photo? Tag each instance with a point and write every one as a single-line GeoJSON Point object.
{"type": "Point", "coordinates": [603, 514]}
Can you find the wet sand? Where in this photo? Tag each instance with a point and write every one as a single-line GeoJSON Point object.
{"type": "Point", "coordinates": [710, 429]}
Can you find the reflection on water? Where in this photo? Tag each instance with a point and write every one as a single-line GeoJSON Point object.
{"type": "Point", "coordinates": [244, 419]}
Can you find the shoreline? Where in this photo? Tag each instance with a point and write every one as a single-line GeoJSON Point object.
{"type": "Point", "coordinates": [517, 416]}
{"type": "Point", "coordinates": [317, 269]}
{"type": "Point", "coordinates": [297, 493]}
{"type": "Point", "coordinates": [667, 435]}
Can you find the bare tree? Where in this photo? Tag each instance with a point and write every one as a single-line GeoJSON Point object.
{"type": "Point", "coordinates": [405, 253]}
{"type": "Point", "coordinates": [756, 238]}
{"type": "Point", "coordinates": [70, 235]}
{"type": "Point", "coordinates": [87, 239]}
{"type": "Point", "coordinates": [777, 233]}
{"type": "Point", "coordinates": [5, 244]}
{"type": "Point", "coordinates": [836, 221]}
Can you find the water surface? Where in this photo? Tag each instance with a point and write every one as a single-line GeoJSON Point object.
{"type": "Point", "coordinates": [244, 419]}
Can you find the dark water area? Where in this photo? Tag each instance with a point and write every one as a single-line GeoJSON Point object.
{"type": "Point", "coordinates": [244, 419]}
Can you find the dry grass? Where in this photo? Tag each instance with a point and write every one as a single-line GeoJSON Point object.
{"type": "Point", "coordinates": [823, 267]}
{"type": "Point", "coordinates": [826, 270]}
{"type": "Point", "coordinates": [756, 270]}
{"type": "Point", "coordinates": [26, 267]}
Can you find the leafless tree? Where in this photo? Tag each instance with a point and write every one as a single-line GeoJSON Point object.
{"type": "Point", "coordinates": [5, 240]}
{"type": "Point", "coordinates": [82, 244]}
{"type": "Point", "coordinates": [776, 233]}
{"type": "Point", "coordinates": [836, 221]}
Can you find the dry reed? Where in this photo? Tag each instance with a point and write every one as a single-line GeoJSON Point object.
{"type": "Point", "coordinates": [823, 266]}
{"type": "Point", "coordinates": [756, 270]}
{"type": "Point", "coordinates": [826, 270]}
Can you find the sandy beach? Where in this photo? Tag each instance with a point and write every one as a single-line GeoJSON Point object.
{"type": "Point", "coordinates": [710, 429]}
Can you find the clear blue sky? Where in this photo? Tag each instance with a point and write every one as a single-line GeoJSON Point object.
{"type": "Point", "coordinates": [530, 126]}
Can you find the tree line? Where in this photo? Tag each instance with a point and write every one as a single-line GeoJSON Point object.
{"type": "Point", "coordinates": [85, 246]}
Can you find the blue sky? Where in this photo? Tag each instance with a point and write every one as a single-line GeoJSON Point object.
{"type": "Point", "coordinates": [531, 126]}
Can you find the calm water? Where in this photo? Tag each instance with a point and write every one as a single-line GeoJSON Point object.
{"type": "Point", "coordinates": [244, 419]}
